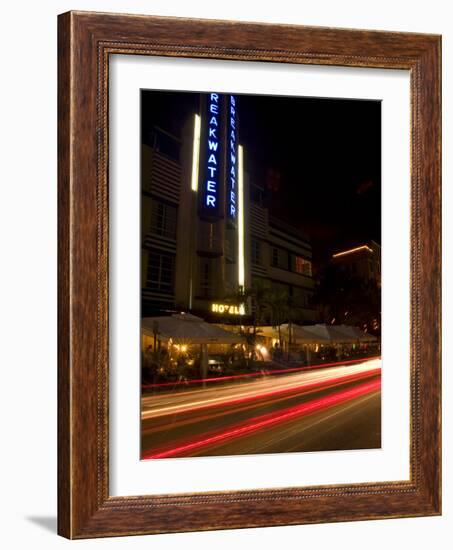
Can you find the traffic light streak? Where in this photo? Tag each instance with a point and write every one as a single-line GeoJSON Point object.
{"type": "Point", "coordinates": [306, 387]}
{"type": "Point", "coordinates": [269, 420]}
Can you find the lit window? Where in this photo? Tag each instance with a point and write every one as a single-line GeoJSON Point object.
{"type": "Point", "coordinates": [302, 266]}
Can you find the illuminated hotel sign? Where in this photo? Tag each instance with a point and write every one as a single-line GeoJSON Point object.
{"type": "Point", "coordinates": [232, 156]}
{"type": "Point", "coordinates": [219, 159]}
{"type": "Point", "coordinates": [228, 309]}
{"type": "Point", "coordinates": [211, 192]}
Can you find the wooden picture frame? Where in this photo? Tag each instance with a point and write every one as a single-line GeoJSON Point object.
{"type": "Point", "coordinates": [85, 41]}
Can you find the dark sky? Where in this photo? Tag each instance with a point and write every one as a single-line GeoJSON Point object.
{"type": "Point", "coordinates": [326, 152]}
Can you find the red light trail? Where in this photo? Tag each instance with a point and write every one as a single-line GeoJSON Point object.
{"type": "Point", "coordinates": [270, 419]}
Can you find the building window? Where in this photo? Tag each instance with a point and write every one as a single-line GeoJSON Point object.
{"type": "Point", "coordinates": [257, 195]}
{"type": "Point", "coordinates": [161, 268]}
{"type": "Point", "coordinates": [302, 266]}
{"type": "Point", "coordinates": [281, 288]}
{"type": "Point", "coordinates": [280, 258]}
{"type": "Point", "coordinates": [205, 278]}
{"type": "Point", "coordinates": [163, 220]}
{"type": "Point", "coordinates": [256, 252]}
{"type": "Point", "coordinates": [275, 257]}
{"type": "Point", "coordinates": [165, 143]}
{"type": "Point", "coordinates": [300, 297]}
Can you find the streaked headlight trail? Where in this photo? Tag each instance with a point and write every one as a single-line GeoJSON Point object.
{"type": "Point", "coordinates": [249, 414]}
{"type": "Point", "coordinates": [272, 419]}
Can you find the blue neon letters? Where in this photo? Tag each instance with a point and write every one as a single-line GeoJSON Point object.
{"type": "Point", "coordinates": [212, 179]}
{"type": "Point", "coordinates": [220, 169]}
{"type": "Point", "coordinates": [232, 159]}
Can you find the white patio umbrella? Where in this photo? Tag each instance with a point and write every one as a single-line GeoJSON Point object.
{"type": "Point", "coordinates": [329, 334]}
{"type": "Point", "coordinates": [186, 328]}
{"type": "Point", "coordinates": [355, 332]}
{"type": "Point", "coordinates": [300, 334]}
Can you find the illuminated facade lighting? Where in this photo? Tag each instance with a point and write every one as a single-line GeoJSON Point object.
{"type": "Point", "coordinates": [196, 152]}
{"type": "Point", "coordinates": [352, 250]}
{"type": "Point", "coordinates": [241, 253]}
{"type": "Point", "coordinates": [212, 252]}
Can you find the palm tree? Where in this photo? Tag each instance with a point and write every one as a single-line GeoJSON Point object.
{"type": "Point", "coordinates": [258, 294]}
{"type": "Point", "coordinates": [278, 302]}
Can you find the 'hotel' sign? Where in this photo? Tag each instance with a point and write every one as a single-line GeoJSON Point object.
{"type": "Point", "coordinates": [228, 309]}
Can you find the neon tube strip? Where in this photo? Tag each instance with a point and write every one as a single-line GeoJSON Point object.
{"type": "Point", "coordinates": [196, 152]}
{"type": "Point", "coordinates": [241, 273]}
{"type": "Point", "coordinates": [352, 250]}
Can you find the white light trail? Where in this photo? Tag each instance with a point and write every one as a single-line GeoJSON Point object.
{"type": "Point", "coordinates": [164, 404]}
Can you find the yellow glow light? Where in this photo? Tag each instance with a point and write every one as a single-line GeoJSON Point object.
{"type": "Point", "coordinates": [196, 152]}
{"type": "Point", "coordinates": [241, 260]}
{"type": "Point", "coordinates": [230, 309]}
{"type": "Point", "coordinates": [352, 250]}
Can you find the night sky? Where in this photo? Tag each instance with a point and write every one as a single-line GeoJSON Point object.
{"type": "Point", "coordinates": [322, 155]}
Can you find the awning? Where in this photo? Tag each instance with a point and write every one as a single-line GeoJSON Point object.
{"type": "Point", "coordinates": [324, 334]}
{"type": "Point", "coordinates": [354, 332]}
{"type": "Point", "coordinates": [185, 328]}
{"type": "Point", "coordinates": [299, 334]}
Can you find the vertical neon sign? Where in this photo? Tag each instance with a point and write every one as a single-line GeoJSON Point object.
{"type": "Point", "coordinates": [232, 156]}
{"type": "Point", "coordinates": [212, 169]}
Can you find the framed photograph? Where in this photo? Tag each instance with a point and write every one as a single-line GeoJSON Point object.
{"type": "Point", "coordinates": [249, 275]}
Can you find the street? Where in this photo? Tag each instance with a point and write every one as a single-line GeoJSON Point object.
{"type": "Point", "coordinates": [328, 408]}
